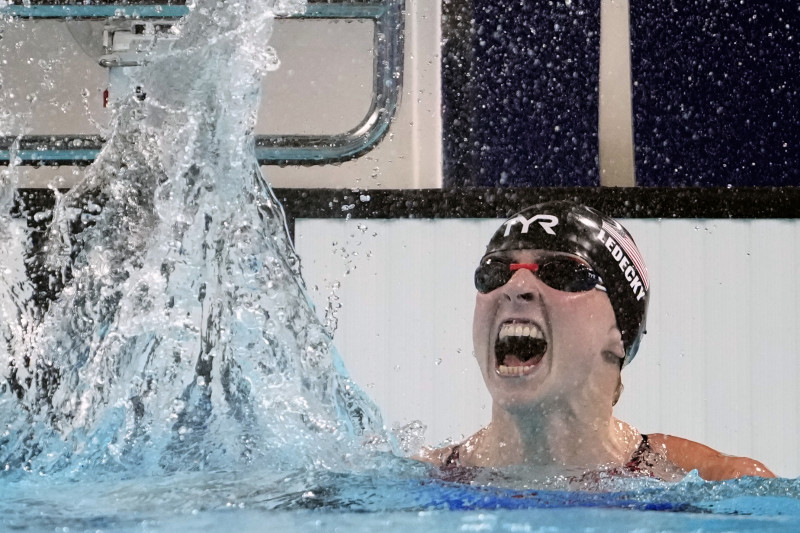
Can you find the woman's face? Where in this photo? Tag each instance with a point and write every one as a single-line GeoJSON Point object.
{"type": "Point", "coordinates": [537, 345]}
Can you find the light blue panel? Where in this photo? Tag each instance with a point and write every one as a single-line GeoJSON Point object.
{"type": "Point", "coordinates": [720, 361]}
{"type": "Point", "coordinates": [728, 307]}
{"type": "Point", "coordinates": [669, 354]}
{"type": "Point", "coordinates": [775, 342]}
{"type": "Point", "coordinates": [726, 334]}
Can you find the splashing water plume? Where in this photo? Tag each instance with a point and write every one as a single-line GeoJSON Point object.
{"type": "Point", "coordinates": [183, 338]}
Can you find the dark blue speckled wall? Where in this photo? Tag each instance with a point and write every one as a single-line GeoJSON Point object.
{"type": "Point", "coordinates": [716, 95]}
{"type": "Point", "coordinates": [520, 92]}
{"type": "Point", "coordinates": [716, 92]}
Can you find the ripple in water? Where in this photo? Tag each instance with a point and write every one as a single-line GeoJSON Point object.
{"type": "Point", "coordinates": [183, 338]}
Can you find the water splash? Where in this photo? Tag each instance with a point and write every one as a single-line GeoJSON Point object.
{"type": "Point", "coordinates": [183, 337]}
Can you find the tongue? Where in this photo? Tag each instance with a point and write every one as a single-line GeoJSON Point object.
{"type": "Point", "coordinates": [513, 360]}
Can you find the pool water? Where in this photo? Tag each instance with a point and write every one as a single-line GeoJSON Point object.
{"type": "Point", "coordinates": [398, 498]}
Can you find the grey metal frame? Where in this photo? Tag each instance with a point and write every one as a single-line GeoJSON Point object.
{"type": "Point", "coordinates": [387, 16]}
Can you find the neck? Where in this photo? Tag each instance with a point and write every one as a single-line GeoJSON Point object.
{"type": "Point", "coordinates": [578, 435]}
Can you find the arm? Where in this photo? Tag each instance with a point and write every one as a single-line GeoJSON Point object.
{"type": "Point", "coordinates": [710, 464]}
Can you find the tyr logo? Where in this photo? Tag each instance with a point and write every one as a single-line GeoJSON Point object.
{"type": "Point", "coordinates": [547, 222]}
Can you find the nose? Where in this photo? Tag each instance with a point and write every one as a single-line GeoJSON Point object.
{"type": "Point", "coordinates": [523, 286]}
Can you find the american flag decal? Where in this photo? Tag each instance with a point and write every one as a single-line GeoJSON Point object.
{"type": "Point", "coordinates": [627, 244]}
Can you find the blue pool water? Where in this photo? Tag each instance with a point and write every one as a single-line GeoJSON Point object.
{"type": "Point", "coordinates": [390, 500]}
{"type": "Point", "coordinates": [182, 380]}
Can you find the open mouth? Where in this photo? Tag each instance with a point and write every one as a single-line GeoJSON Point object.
{"type": "Point", "coordinates": [519, 348]}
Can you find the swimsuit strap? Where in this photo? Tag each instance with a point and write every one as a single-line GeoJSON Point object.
{"type": "Point", "coordinates": [638, 458]}
{"type": "Point", "coordinates": [452, 459]}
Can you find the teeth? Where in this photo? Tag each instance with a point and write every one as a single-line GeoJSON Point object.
{"type": "Point", "coordinates": [518, 330]}
{"type": "Point", "coordinates": [504, 370]}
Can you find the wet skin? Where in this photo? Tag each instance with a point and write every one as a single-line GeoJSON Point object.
{"type": "Point", "coordinates": [584, 345]}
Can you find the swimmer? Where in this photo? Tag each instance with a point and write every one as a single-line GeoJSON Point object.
{"type": "Point", "coordinates": [560, 310]}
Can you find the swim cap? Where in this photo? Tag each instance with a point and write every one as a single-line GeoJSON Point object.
{"type": "Point", "coordinates": [599, 240]}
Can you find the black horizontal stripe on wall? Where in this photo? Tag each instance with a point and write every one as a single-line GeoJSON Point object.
{"type": "Point", "coordinates": [500, 202]}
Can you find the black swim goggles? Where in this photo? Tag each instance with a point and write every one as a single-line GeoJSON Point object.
{"type": "Point", "coordinates": [560, 273]}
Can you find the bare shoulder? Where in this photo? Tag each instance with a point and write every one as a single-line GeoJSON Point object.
{"type": "Point", "coordinates": [436, 456]}
{"type": "Point", "coordinates": [710, 464]}
{"type": "Point", "coordinates": [459, 454]}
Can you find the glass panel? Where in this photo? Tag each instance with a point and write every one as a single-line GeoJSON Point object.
{"type": "Point", "coordinates": [323, 86]}
{"type": "Point", "coordinates": [324, 83]}
{"type": "Point", "coordinates": [49, 85]}
{"type": "Point", "coordinates": [332, 100]}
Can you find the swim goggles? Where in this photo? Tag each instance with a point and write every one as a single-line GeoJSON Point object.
{"type": "Point", "coordinates": [559, 273]}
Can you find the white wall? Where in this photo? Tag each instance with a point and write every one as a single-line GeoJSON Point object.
{"type": "Point", "coordinates": [719, 363]}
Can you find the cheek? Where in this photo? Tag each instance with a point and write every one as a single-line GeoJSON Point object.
{"type": "Point", "coordinates": [583, 324]}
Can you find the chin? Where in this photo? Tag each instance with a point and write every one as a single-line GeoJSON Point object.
{"type": "Point", "coordinates": [522, 400]}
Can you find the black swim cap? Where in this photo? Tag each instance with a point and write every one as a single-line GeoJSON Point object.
{"type": "Point", "coordinates": [599, 240]}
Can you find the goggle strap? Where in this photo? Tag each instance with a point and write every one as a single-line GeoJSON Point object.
{"type": "Point", "coordinates": [533, 267]}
